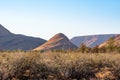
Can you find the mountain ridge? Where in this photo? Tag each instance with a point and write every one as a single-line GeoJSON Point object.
{"type": "Point", "coordinates": [91, 40]}
{"type": "Point", "coordinates": [11, 41]}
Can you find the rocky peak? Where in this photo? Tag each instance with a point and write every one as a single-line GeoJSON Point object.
{"type": "Point", "coordinates": [59, 36]}
{"type": "Point", "coordinates": [57, 42]}
{"type": "Point", "coordinates": [4, 31]}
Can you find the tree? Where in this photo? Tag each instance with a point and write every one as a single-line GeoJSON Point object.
{"type": "Point", "coordinates": [111, 45]}
{"type": "Point", "coordinates": [102, 49]}
{"type": "Point", "coordinates": [95, 49]}
{"type": "Point", "coordinates": [83, 48]}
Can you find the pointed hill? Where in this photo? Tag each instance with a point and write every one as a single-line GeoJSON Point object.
{"type": "Point", "coordinates": [57, 42]}
{"type": "Point", "coordinates": [10, 41]}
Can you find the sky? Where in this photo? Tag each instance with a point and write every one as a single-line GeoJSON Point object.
{"type": "Point", "coordinates": [45, 18]}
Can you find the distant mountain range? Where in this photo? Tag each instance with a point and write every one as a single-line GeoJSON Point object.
{"type": "Point", "coordinates": [57, 42]}
{"type": "Point", "coordinates": [91, 40]}
{"type": "Point", "coordinates": [10, 41]}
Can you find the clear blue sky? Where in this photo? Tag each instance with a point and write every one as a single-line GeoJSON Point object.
{"type": "Point", "coordinates": [44, 18]}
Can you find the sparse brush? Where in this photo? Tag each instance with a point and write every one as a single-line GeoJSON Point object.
{"type": "Point", "coordinates": [58, 65]}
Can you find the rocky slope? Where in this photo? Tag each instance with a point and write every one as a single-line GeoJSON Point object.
{"type": "Point", "coordinates": [10, 41]}
{"type": "Point", "coordinates": [91, 40]}
{"type": "Point", "coordinates": [115, 40]}
{"type": "Point", "coordinates": [58, 42]}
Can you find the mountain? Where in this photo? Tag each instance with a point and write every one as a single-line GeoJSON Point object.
{"type": "Point", "coordinates": [4, 31]}
{"type": "Point", "coordinates": [91, 40]}
{"type": "Point", "coordinates": [57, 42]}
{"type": "Point", "coordinates": [115, 40]}
{"type": "Point", "coordinates": [10, 41]}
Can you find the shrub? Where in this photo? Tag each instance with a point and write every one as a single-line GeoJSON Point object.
{"type": "Point", "coordinates": [59, 66]}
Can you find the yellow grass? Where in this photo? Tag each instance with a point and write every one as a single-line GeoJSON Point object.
{"type": "Point", "coordinates": [59, 65]}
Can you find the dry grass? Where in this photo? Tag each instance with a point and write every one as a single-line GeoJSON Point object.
{"type": "Point", "coordinates": [59, 66]}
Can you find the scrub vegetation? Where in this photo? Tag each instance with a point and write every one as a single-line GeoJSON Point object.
{"type": "Point", "coordinates": [59, 65]}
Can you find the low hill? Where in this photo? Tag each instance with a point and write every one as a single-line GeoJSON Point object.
{"type": "Point", "coordinates": [115, 41]}
{"type": "Point", "coordinates": [58, 42]}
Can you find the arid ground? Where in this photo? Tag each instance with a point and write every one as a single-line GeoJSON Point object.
{"type": "Point", "coordinates": [19, 65]}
